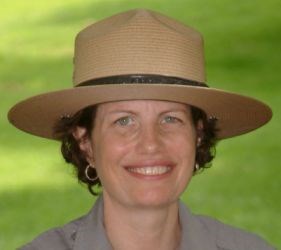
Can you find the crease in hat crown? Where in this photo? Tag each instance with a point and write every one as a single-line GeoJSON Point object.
{"type": "Point", "coordinates": [138, 42]}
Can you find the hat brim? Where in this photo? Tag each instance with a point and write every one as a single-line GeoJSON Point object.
{"type": "Point", "coordinates": [236, 114]}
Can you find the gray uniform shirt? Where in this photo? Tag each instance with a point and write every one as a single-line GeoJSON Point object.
{"type": "Point", "coordinates": [198, 233]}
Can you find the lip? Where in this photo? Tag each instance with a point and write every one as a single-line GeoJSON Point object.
{"type": "Point", "coordinates": [150, 171]}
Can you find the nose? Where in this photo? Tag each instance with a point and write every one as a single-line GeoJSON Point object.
{"type": "Point", "coordinates": [150, 140]}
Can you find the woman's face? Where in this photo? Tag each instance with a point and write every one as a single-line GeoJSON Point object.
{"type": "Point", "coordinates": [143, 151]}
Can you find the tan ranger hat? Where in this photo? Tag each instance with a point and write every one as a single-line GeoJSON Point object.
{"type": "Point", "coordinates": [155, 58]}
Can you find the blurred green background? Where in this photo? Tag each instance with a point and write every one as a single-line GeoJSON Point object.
{"type": "Point", "coordinates": [242, 42]}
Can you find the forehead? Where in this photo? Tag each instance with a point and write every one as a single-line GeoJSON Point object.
{"type": "Point", "coordinates": [160, 106]}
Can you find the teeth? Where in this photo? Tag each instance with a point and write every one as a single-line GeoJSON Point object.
{"type": "Point", "coordinates": [155, 170]}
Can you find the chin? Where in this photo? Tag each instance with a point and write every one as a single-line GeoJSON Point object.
{"type": "Point", "coordinates": [155, 199]}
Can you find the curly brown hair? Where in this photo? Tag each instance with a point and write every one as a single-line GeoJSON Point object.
{"type": "Point", "coordinates": [64, 128]}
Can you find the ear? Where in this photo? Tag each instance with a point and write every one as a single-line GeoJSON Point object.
{"type": "Point", "coordinates": [84, 141]}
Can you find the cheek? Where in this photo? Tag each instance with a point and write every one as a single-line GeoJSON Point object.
{"type": "Point", "coordinates": [109, 151]}
{"type": "Point", "coordinates": [183, 145]}
{"type": "Point", "coordinates": [184, 151]}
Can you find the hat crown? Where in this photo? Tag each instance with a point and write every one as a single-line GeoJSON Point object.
{"type": "Point", "coordinates": [138, 42]}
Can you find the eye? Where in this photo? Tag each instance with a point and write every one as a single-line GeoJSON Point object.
{"type": "Point", "coordinates": [171, 119]}
{"type": "Point", "coordinates": [124, 121]}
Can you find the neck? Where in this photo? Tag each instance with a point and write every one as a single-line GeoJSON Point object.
{"type": "Point", "coordinates": [141, 228]}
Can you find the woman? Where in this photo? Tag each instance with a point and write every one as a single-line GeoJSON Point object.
{"type": "Point", "coordinates": [139, 122]}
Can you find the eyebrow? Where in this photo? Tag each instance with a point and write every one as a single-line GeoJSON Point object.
{"type": "Point", "coordinates": [121, 111]}
{"type": "Point", "coordinates": [183, 111]}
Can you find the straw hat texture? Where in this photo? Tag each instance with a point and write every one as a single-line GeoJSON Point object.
{"type": "Point", "coordinates": [142, 48]}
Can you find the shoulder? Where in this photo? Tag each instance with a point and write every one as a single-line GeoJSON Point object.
{"type": "Point", "coordinates": [203, 232]}
{"type": "Point", "coordinates": [60, 238]}
{"type": "Point", "coordinates": [232, 238]}
{"type": "Point", "coordinates": [82, 233]}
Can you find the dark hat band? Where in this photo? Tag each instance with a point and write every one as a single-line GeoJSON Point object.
{"type": "Point", "coordinates": [142, 79]}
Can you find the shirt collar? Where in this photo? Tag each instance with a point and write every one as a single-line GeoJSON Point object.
{"type": "Point", "coordinates": [91, 233]}
{"type": "Point", "coordinates": [195, 234]}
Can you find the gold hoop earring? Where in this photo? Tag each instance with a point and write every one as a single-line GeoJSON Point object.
{"type": "Point", "coordinates": [87, 175]}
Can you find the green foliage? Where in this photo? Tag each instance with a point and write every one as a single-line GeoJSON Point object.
{"type": "Point", "coordinates": [242, 42]}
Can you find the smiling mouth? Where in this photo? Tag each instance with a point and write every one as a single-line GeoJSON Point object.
{"type": "Point", "coordinates": [150, 170]}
